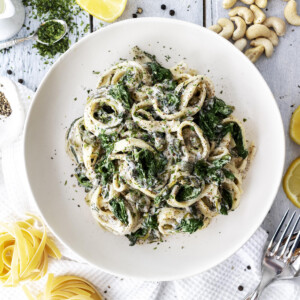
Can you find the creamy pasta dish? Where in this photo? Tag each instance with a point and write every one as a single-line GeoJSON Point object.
{"type": "Point", "coordinates": [157, 152]}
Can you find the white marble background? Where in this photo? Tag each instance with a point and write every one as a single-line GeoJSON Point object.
{"type": "Point", "coordinates": [281, 71]}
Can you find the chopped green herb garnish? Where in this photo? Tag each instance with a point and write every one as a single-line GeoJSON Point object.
{"type": "Point", "coordinates": [50, 32]}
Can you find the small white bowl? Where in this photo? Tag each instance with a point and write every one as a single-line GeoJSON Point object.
{"type": "Point", "coordinates": [11, 126]}
{"type": "Point", "coordinates": [237, 81]}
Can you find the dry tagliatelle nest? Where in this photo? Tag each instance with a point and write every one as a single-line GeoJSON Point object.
{"type": "Point", "coordinates": [24, 251]}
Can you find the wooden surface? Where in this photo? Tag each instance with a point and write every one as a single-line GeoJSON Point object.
{"type": "Point", "coordinates": [281, 71]}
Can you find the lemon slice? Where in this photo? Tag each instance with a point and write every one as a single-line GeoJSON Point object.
{"type": "Point", "coordinates": [105, 10]}
{"type": "Point", "coordinates": [295, 126]}
{"type": "Point", "coordinates": [291, 182]}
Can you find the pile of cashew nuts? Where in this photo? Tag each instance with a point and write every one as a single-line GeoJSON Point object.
{"type": "Point", "coordinates": [251, 22]}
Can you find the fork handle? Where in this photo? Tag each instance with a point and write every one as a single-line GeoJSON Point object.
{"type": "Point", "coordinates": [266, 279]}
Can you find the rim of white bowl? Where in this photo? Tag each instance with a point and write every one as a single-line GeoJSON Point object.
{"type": "Point", "coordinates": [277, 177]}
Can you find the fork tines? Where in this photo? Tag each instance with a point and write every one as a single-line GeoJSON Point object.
{"type": "Point", "coordinates": [273, 247]}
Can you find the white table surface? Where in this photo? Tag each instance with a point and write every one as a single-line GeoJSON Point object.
{"type": "Point", "coordinates": [281, 71]}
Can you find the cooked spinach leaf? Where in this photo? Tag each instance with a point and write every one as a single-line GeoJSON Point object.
{"type": "Point", "coordinates": [120, 93]}
{"type": "Point", "coordinates": [190, 225]}
{"type": "Point", "coordinates": [169, 85]}
{"type": "Point", "coordinates": [170, 102]}
{"type": "Point", "coordinates": [175, 150]}
{"type": "Point", "coordinates": [160, 200]}
{"type": "Point", "coordinates": [150, 223]}
{"type": "Point", "coordinates": [220, 163]}
{"type": "Point", "coordinates": [210, 121]}
{"type": "Point", "coordinates": [211, 115]}
{"type": "Point", "coordinates": [105, 169]}
{"type": "Point", "coordinates": [82, 179]}
{"type": "Point", "coordinates": [226, 203]}
{"type": "Point", "coordinates": [119, 209]}
{"type": "Point", "coordinates": [146, 166]}
{"type": "Point", "coordinates": [135, 236]}
{"type": "Point", "coordinates": [158, 72]}
{"type": "Point", "coordinates": [212, 172]}
{"type": "Point", "coordinates": [186, 193]}
{"type": "Point", "coordinates": [228, 174]}
{"type": "Point", "coordinates": [107, 141]}
{"type": "Point", "coordinates": [236, 133]}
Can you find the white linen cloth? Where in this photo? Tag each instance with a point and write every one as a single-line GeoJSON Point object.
{"type": "Point", "coordinates": [220, 283]}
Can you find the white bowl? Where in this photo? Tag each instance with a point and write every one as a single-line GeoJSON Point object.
{"type": "Point", "coordinates": [237, 81]}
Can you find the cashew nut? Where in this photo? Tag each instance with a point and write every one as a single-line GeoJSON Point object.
{"type": "Point", "coordinates": [243, 12]}
{"type": "Point", "coordinates": [240, 28]}
{"type": "Point", "coordinates": [241, 44]}
{"type": "Point", "coordinates": [248, 2]}
{"type": "Point", "coordinates": [254, 53]}
{"type": "Point", "coordinates": [277, 24]}
{"type": "Point", "coordinates": [216, 28]}
{"type": "Point", "coordinates": [227, 28]}
{"type": "Point", "coordinates": [266, 43]}
{"type": "Point", "coordinates": [257, 30]}
{"type": "Point", "coordinates": [229, 3]}
{"type": "Point", "coordinates": [259, 15]}
{"type": "Point", "coordinates": [273, 38]}
{"type": "Point", "coordinates": [261, 3]}
{"type": "Point", "coordinates": [290, 13]}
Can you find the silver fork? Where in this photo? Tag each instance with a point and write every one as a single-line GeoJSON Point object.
{"type": "Point", "coordinates": [274, 263]}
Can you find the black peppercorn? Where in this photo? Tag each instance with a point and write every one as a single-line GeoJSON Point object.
{"type": "Point", "coordinates": [163, 7]}
{"type": "Point", "coordinates": [172, 12]}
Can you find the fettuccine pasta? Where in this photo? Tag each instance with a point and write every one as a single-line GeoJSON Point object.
{"type": "Point", "coordinates": [66, 287]}
{"type": "Point", "coordinates": [24, 251]}
{"type": "Point", "coordinates": [157, 151]}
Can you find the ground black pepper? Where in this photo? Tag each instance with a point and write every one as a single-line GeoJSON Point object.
{"type": "Point", "coordinates": [5, 109]}
{"type": "Point", "coordinates": [21, 81]}
{"type": "Point", "coordinates": [9, 72]}
{"type": "Point", "coordinates": [134, 15]}
{"type": "Point", "coordinates": [139, 10]}
{"type": "Point", "coordinates": [163, 7]}
{"type": "Point", "coordinates": [240, 288]}
{"type": "Point", "coordinates": [249, 267]}
{"type": "Point", "coordinates": [172, 12]}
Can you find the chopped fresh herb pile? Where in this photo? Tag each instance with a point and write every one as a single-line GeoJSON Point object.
{"type": "Point", "coordinates": [45, 10]}
{"type": "Point", "coordinates": [50, 32]}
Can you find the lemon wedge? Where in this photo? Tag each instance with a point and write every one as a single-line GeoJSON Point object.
{"type": "Point", "coordinates": [105, 10]}
{"type": "Point", "coordinates": [295, 126]}
{"type": "Point", "coordinates": [291, 182]}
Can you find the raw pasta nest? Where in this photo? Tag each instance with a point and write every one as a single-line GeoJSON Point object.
{"type": "Point", "coordinates": [24, 251]}
{"type": "Point", "coordinates": [66, 287]}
